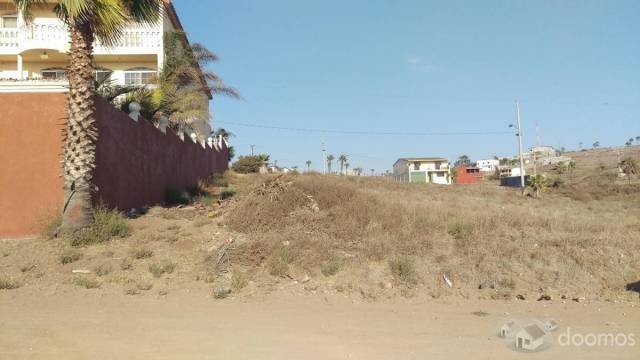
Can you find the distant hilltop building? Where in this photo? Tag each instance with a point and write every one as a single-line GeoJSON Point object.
{"type": "Point", "coordinates": [488, 165]}
{"type": "Point", "coordinates": [422, 170]}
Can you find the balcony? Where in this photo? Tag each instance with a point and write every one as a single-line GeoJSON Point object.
{"type": "Point", "coordinates": [134, 40]}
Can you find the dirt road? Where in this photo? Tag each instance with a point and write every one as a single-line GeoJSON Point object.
{"type": "Point", "coordinates": [91, 325]}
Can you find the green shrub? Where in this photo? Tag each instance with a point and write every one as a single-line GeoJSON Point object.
{"type": "Point", "coordinates": [330, 268]}
{"type": "Point", "coordinates": [278, 263]}
{"type": "Point", "coordinates": [227, 193]}
{"type": "Point", "coordinates": [164, 267]}
{"type": "Point", "coordinates": [250, 164]}
{"type": "Point", "coordinates": [403, 268]}
{"type": "Point", "coordinates": [219, 180]}
{"type": "Point", "coordinates": [173, 196]}
{"type": "Point", "coordinates": [107, 224]}
{"type": "Point", "coordinates": [69, 257]}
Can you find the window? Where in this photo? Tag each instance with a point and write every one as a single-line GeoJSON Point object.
{"type": "Point", "coordinates": [102, 75]}
{"type": "Point", "coordinates": [416, 166]}
{"type": "Point", "coordinates": [54, 74]}
{"type": "Point", "coordinates": [440, 174]}
{"type": "Point", "coordinates": [9, 21]}
{"type": "Point", "coordinates": [437, 165]}
{"type": "Point", "coordinates": [138, 76]}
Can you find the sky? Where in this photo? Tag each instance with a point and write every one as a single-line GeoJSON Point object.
{"type": "Point", "coordinates": [377, 80]}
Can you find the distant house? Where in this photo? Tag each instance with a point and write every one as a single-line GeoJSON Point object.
{"type": "Point", "coordinates": [488, 165]}
{"type": "Point", "coordinates": [530, 337]}
{"type": "Point", "coordinates": [422, 170]}
{"type": "Point", "coordinates": [468, 175]}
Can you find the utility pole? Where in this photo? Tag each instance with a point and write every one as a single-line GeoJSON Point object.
{"type": "Point", "coordinates": [324, 160]}
{"type": "Point", "coordinates": [251, 146]}
{"type": "Point", "coordinates": [535, 155]}
{"type": "Point", "coordinates": [520, 144]}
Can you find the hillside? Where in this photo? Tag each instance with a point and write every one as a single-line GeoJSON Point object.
{"type": "Point", "coordinates": [360, 236]}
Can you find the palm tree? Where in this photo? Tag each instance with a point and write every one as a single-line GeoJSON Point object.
{"type": "Point", "coordinates": [372, 171]}
{"type": "Point", "coordinates": [346, 168]}
{"type": "Point", "coordinates": [538, 184]}
{"type": "Point", "coordinates": [222, 132]}
{"type": "Point", "coordinates": [596, 144]}
{"type": "Point", "coordinates": [182, 87]}
{"type": "Point", "coordinates": [342, 159]}
{"type": "Point", "coordinates": [308, 163]}
{"type": "Point", "coordinates": [87, 20]}
{"type": "Point", "coordinates": [357, 171]}
{"type": "Point", "coordinates": [330, 158]}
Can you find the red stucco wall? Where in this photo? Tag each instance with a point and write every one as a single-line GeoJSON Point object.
{"type": "Point", "coordinates": [462, 177]}
{"type": "Point", "coordinates": [30, 151]}
{"type": "Point", "coordinates": [135, 162]}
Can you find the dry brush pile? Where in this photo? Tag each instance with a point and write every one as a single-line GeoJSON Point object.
{"type": "Point", "coordinates": [479, 237]}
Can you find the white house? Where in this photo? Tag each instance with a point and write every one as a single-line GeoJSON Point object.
{"type": "Point", "coordinates": [422, 170]}
{"type": "Point", "coordinates": [530, 338]}
{"type": "Point", "coordinates": [488, 165]}
{"type": "Point", "coordinates": [34, 56]}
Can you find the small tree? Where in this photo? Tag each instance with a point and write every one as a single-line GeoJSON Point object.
{"type": "Point", "coordinates": [342, 159]}
{"type": "Point", "coordinates": [250, 164]}
{"type": "Point", "coordinates": [330, 158]}
{"type": "Point", "coordinates": [538, 184]}
{"type": "Point", "coordinates": [596, 144]}
{"type": "Point", "coordinates": [629, 166]}
{"type": "Point", "coordinates": [463, 160]}
{"type": "Point", "coordinates": [308, 163]}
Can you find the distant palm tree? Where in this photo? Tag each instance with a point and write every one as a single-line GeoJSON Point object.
{"type": "Point", "coordinates": [357, 171]}
{"type": "Point", "coordinates": [222, 132]}
{"type": "Point", "coordinates": [86, 21]}
{"type": "Point", "coordinates": [330, 158]}
{"type": "Point", "coordinates": [372, 171]}
{"type": "Point", "coordinates": [596, 144]}
{"type": "Point", "coordinates": [308, 162]}
{"type": "Point", "coordinates": [342, 159]}
{"type": "Point", "coordinates": [346, 168]}
{"type": "Point", "coordinates": [538, 185]}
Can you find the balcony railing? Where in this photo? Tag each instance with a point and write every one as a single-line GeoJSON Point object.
{"type": "Point", "coordinates": [55, 36]}
{"type": "Point", "coordinates": [8, 38]}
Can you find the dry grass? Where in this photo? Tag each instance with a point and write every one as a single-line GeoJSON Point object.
{"type": "Point", "coordinates": [472, 234]}
{"type": "Point", "coordinates": [107, 224]}
{"type": "Point", "coordinates": [161, 268]}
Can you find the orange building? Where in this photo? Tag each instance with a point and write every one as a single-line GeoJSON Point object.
{"type": "Point", "coordinates": [466, 174]}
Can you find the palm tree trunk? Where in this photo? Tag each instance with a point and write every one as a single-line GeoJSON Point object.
{"type": "Point", "coordinates": [81, 133]}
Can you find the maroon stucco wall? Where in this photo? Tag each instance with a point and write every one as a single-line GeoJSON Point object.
{"type": "Point", "coordinates": [135, 162]}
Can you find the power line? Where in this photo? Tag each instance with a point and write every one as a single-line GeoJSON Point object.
{"type": "Point", "coordinates": [355, 132]}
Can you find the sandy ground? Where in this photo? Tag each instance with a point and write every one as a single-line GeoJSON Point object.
{"type": "Point", "coordinates": [95, 325]}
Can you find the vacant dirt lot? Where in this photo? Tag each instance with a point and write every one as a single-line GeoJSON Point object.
{"type": "Point", "coordinates": [320, 267]}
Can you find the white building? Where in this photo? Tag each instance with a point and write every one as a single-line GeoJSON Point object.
{"type": "Point", "coordinates": [488, 165]}
{"type": "Point", "coordinates": [34, 56]}
{"type": "Point", "coordinates": [422, 170]}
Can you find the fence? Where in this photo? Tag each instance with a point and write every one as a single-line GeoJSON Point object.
{"type": "Point", "coordinates": [135, 162]}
